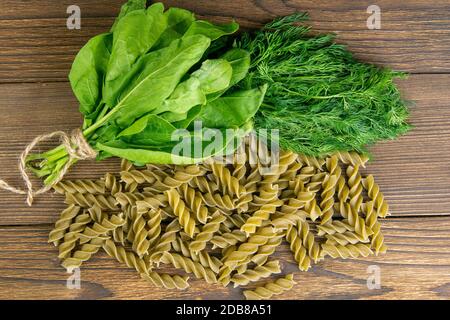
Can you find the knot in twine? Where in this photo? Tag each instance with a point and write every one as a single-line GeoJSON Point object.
{"type": "Point", "coordinates": [77, 149]}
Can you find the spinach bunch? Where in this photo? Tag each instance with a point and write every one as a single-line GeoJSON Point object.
{"type": "Point", "coordinates": [155, 73]}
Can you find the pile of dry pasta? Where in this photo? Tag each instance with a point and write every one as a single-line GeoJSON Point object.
{"type": "Point", "coordinates": [223, 222]}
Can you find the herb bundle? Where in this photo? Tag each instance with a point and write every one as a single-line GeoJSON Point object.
{"type": "Point", "coordinates": [320, 98]}
{"type": "Point", "coordinates": [157, 71]}
{"type": "Point", "coordinates": [149, 76]}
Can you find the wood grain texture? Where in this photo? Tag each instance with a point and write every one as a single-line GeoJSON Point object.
{"type": "Point", "coordinates": [36, 46]}
{"type": "Point", "coordinates": [415, 267]}
{"type": "Point", "coordinates": [36, 51]}
{"type": "Point", "coordinates": [413, 172]}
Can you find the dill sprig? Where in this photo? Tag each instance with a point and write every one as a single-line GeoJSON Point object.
{"type": "Point", "coordinates": [320, 98]}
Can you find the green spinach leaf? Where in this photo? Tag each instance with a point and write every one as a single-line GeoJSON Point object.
{"type": "Point", "coordinates": [186, 95]}
{"type": "Point", "coordinates": [214, 75]}
{"type": "Point", "coordinates": [178, 22]}
{"type": "Point", "coordinates": [161, 72]}
{"type": "Point", "coordinates": [150, 130]}
{"type": "Point", "coordinates": [133, 36]}
{"type": "Point", "coordinates": [232, 110]}
{"type": "Point", "coordinates": [210, 30]}
{"type": "Point", "coordinates": [128, 7]}
{"type": "Point", "coordinates": [188, 118]}
{"type": "Point", "coordinates": [240, 63]}
{"type": "Point", "coordinates": [88, 71]}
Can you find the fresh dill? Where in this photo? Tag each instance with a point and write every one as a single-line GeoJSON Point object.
{"type": "Point", "coordinates": [320, 98]}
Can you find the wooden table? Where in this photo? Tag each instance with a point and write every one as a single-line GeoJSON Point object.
{"type": "Point", "coordinates": [36, 51]}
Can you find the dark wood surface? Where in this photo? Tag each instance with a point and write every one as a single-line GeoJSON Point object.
{"type": "Point", "coordinates": [36, 51]}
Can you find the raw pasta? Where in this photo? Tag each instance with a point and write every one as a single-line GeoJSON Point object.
{"type": "Point", "coordinates": [124, 256]}
{"type": "Point", "coordinates": [206, 233]}
{"type": "Point", "coordinates": [258, 273]}
{"type": "Point", "coordinates": [270, 289]}
{"type": "Point", "coordinates": [80, 186]}
{"type": "Point", "coordinates": [163, 280]}
{"type": "Point", "coordinates": [99, 229]}
{"type": "Point", "coordinates": [104, 202]}
{"type": "Point", "coordinates": [63, 224]}
{"type": "Point", "coordinates": [183, 214]}
{"type": "Point", "coordinates": [71, 237]}
{"type": "Point", "coordinates": [190, 266]}
{"type": "Point", "coordinates": [223, 221]}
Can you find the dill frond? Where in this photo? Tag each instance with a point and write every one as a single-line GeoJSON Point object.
{"type": "Point", "coordinates": [320, 98]}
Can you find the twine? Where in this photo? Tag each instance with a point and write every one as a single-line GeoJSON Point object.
{"type": "Point", "coordinates": [77, 149]}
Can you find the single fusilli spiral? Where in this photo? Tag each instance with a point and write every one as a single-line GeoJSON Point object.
{"type": "Point", "coordinates": [165, 242]}
{"type": "Point", "coordinates": [139, 177]}
{"type": "Point", "coordinates": [316, 163]}
{"type": "Point", "coordinates": [228, 239]}
{"type": "Point", "coordinates": [189, 266]}
{"type": "Point", "coordinates": [230, 184]}
{"type": "Point", "coordinates": [259, 217]}
{"type": "Point", "coordinates": [267, 249]}
{"type": "Point", "coordinates": [154, 226]}
{"type": "Point", "coordinates": [256, 274]}
{"type": "Point", "coordinates": [374, 193]}
{"type": "Point", "coordinates": [343, 191]}
{"type": "Point", "coordinates": [127, 257]}
{"type": "Point", "coordinates": [313, 210]}
{"type": "Point", "coordinates": [308, 241]}
{"type": "Point", "coordinates": [167, 281]}
{"type": "Point", "coordinates": [141, 243]}
{"type": "Point", "coordinates": [317, 181]}
{"type": "Point", "coordinates": [194, 202]}
{"type": "Point", "coordinates": [355, 187]}
{"type": "Point", "coordinates": [371, 215]}
{"type": "Point", "coordinates": [270, 289]}
{"type": "Point", "coordinates": [250, 247]}
{"type": "Point", "coordinates": [377, 242]}
{"type": "Point", "coordinates": [207, 232]}
{"type": "Point", "coordinates": [97, 214]}
{"type": "Point", "coordinates": [80, 186]}
{"type": "Point", "coordinates": [181, 176]}
{"type": "Point", "coordinates": [185, 217]}
{"type": "Point", "coordinates": [334, 227]}
{"type": "Point", "coordinates": [224, 276]}
{"type": "Point", "coordinates": [352, 158]}
{"type": "Point", "coordinates": [327, 203]}
{"type": "Point", "coordinates": [71, 237]}
{"type": "Point", "coordinates": [204, 258]}
{"type": "Point", "coordinates": [298, 249]}
{"type": "Point", "coordinates": [236, 220]}
{"type": "Point", "coordinates": [352, 218]}
{"type": "Point", "coordinates": [83, 254]}
{"type": "Point", "coordinates": [348, 251]}
{"type": "Point", "coordinates": [112, 185]}
{"type": "Point", "coordinates": [345, 238]}
{"type": "Point", "coordinates": [129, 199]}
{"type": "Point", "coordinates": [126, 166]}
{"type": "Point", "coordinates": [98, 229]}
{"type": "Point", "coordinates": [203, 184]}
{"type": "Point", "coordinates": [104, 202]}
{"type": "Point", "coordinates": [217, 200]}
{"type": "Point", "coordinates": [306, 173]}
{"type": "Point", "coordinates": [63, 224]}
{"type": "Point", "coordinates": [282, 221]}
